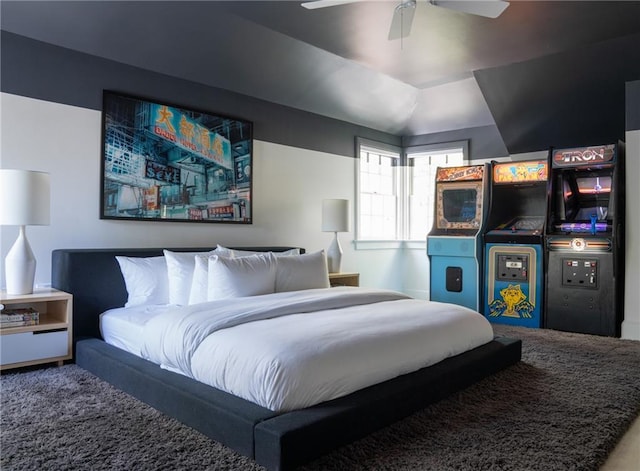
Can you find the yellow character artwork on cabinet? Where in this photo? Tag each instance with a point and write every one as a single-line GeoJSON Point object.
{"type": "Point", "coordinates": [514, 303]}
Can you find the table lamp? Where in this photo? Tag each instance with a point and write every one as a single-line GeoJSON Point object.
{"type": "Point", "coordinates": [24, 201]}
{"type": "Point", "coordinates": [335, 218]}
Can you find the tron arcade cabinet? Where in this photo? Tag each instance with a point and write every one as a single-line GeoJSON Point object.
{"type": "Point", "coordinates": [585, 240]}
{"type": "Point", "coordinates": [513, 252]}
{"type": "Point", "coordinates": [453, 245]}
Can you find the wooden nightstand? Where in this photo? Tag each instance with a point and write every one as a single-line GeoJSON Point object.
{"type": "Point", "coordinates": [344, 279]}
{"type": "Point", "coordinates": [48, 341]}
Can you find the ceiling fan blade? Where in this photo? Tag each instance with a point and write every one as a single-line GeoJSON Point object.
{"type": "Point", "coordinates": [402, 20]}
{"type": "Point", "coordinates": [326, 3]}
{"type": "Point", "coordinates": [488, 8]}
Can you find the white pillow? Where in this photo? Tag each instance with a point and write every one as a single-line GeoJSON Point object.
{"type": "Point", "coordinates": [199, 284]}
{"type": "Point", "coordinates": [226, 252]}
{"type": "Point", "coordinates": [242, 276]}
{"type": "Point", "coordinates": [306, 271]}
{"type": "Point", "coordinates": [146, 280]}
{"type": "Point", "coordinates": [180, 267]}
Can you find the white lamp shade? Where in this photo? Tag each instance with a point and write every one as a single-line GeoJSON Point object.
{"type": "Point", "coordinates": [335, 215]}
{"type": "Point", "coordinates": [24, 198]}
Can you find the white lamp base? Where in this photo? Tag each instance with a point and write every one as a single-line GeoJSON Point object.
{"type": "Point", "coordinates": [334, 255]}
{"type": "Point", "coordinates": [20, 266]}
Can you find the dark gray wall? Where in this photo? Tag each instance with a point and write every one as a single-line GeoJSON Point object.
{"type": "Point", "coordinates": [39, 70]}
{"type": "Point", "coordinates": [568, 99]}
{"type": "Point", "coordinates": [484, 142]}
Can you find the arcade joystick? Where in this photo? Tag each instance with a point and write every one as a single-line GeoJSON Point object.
{"type": "Point", "coordinates": [597, 187]}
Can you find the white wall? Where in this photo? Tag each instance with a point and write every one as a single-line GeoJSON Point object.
{"type": "Point", "coordinates": [631, 323]}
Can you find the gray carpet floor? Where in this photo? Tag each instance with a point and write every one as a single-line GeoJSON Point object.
{"type": "Point", "coordinates": [564, 407]}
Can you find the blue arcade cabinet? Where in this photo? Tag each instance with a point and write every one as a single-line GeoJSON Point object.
{"type": "Point", "coordinates": [453, 245]}
{"type": "Point", "coordinates": [513, 243]}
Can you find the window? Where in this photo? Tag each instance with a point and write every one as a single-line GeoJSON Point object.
{"type": "Point", "coordinates": [396, 189]}
{"type": "Point", "coordinates": [422, 166]}
{"type": "Point", "coordinates": [378, 194]}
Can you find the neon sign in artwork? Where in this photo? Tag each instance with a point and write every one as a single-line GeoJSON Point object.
{"type": "Point", "coordinates": [520, 172]}
{"type": "Point", "coordinates": [172, 125]}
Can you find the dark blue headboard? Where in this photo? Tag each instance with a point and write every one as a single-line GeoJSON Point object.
{"type": "Point", "coordinates": [94, 279]}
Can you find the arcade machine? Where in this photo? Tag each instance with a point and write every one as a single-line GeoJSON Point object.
{"type": "Point", "coordinates": [585, 240]}
{"type": "Point", "coordinates": [453, 245]}
{"type": "Point", "coordinates": [513, 243]}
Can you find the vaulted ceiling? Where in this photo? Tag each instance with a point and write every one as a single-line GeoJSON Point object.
{"type": "Point", "coordinates": [555, 69]}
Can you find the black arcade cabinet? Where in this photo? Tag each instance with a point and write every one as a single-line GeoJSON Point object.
{"type": "Point", "coordinates": [585, 240]}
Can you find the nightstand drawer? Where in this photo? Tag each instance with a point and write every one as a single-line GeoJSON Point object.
{"type": "Point", "coordinates": [29, 346]}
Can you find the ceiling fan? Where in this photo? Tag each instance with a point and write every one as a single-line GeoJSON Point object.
{"type": "Point", "coordinates": [404, 11]}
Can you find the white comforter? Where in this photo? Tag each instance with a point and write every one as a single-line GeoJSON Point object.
{"type": "Point", "coordinates": [291, 350]}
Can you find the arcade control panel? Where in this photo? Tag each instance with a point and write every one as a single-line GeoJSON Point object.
{"type": "Point", "coordinates": [580, 273]}
{"type": "Point", "coordinates": [521, 226]}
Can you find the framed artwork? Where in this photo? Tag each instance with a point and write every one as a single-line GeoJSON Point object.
{"type": "Point", "coordinates": [164, 162]}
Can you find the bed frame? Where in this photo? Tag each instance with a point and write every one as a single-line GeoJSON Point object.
{"type": "Point", "coordinates": [275, 441]}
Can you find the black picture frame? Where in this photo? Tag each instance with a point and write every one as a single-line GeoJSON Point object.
{"type": "Point", "coordinates": [166, 162]}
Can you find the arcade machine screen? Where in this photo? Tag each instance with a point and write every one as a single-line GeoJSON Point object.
{"type": "Point", "coordinates": [518, 201]}
{"type": "Point", "coordinates": [459, 206]}
{"type": "Point", "coordinates": [582, 202]}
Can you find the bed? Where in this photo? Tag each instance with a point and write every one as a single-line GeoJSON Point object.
{"type": "Point", "coordinates": [276, 439]}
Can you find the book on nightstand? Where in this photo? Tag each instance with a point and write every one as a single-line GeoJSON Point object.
{"type": "Point", "coordinates": [19, 317]}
